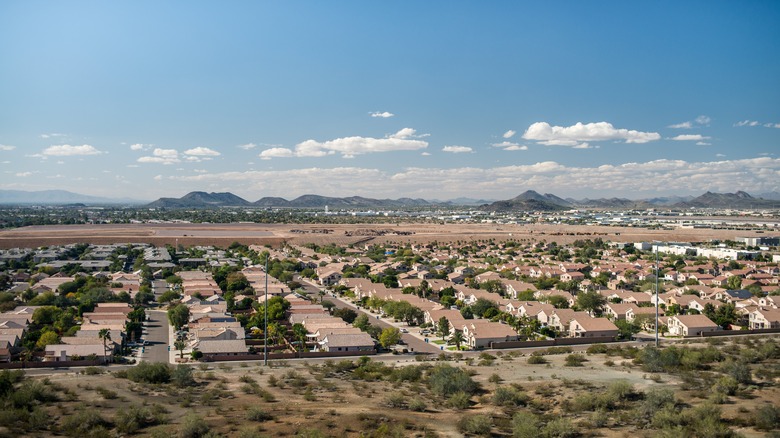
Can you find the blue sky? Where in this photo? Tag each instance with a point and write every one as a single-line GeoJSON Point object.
{"type": "Point", "coordinates": [437, 99]}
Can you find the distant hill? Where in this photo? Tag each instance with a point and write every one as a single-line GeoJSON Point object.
{"type": "Point", "coordinates": [774, 196]}
{"type": "Point", "coordinates": [201, 200]}
{"type": "Point", "coordinates": [58, 197]}
{"type": "Point", "coordinates": [530, 201]}
{"type": "Point", "coordinates": [611, 203]}
{"type": "Point", "coordinates": [205, 200]}
{"type": "Point", "coordinates": [739, 199]}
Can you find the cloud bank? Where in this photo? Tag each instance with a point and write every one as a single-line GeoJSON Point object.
{"type": "Point", "coordinates": [580, 134]}
{"type": "Point", "coordinates": [349, 147]}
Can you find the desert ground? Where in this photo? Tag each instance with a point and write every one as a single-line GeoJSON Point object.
{"type": "Point", "coordinates": [222, 235]}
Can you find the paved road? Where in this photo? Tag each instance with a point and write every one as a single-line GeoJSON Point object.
{"type": "Point", "coordinates": [157, 336]}
{"type": "Point", "coordinates": [413, 343]}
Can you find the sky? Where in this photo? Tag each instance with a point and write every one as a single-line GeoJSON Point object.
{"type": "Point", "coordinates": [435, 100]}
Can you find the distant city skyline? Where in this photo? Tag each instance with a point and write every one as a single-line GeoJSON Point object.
{"type": "Point", "coordinates": [433, 100]}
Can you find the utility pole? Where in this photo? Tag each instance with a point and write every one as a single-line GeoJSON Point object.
{"type": "Point", "coordinates": [265, 329]}
{"type": "Point", "coordinates": [657, 271]}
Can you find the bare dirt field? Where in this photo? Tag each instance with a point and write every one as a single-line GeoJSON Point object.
{"type": "Point", "coordinates": [274, 234]}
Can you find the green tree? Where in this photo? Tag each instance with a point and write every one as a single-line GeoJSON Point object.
{"type": "Point", "coordinates": [734, 282]}
{"type": "Point", "coordinates": [47, 338]}
{"type": "Point", "coordinates": [300, 334]}
{"type": "Point", "coordinates": [443, 327]}
{"type": "Point", "coordinates": [180, 345]}
{"type": "Point", "coordinates": [591, 302]}
{"type": "Point", "coordinates": [389, 337]}
{"type": "Point", "coordinates": [105, 335]}
{"type": "Point", "coordinates": [178, 315]}
{"type": "Point", "coordinates": [361, 322]}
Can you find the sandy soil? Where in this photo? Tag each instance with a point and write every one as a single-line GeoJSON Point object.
{"type": "Point", "coordinates": [273, 234]}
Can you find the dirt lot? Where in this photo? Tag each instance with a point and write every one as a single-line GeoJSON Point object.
{"type": "Point", "coordinates": [224, 234]}
{"type": "Point", "coordinates": [320, 398]}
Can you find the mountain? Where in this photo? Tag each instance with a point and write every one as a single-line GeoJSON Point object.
{"type": "Point", "coordinates": [611, 203]}
{"type": "Point", "coordinates": [774, 196]}
{"type": "Point", "coordinates": [58, 197]}
{"type": "Point", "coordinates": [529, 201]}
{"type": "Point", "coordinates": [201, 200]}
{"type": "Point", "coordinates": [206, 200]}
{"type": "Point", "coordinates": [739, 199]}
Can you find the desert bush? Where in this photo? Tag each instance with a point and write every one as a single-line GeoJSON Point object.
{"type": "Point", "coordinates": [726, 385]}
{"type": "Point", "coordinates": [417, 404]}
{"type": "Point", "coordinates": [133, 418]}
{"type": "Point", "coordinates": [525, 425]}
{"type": "Point", "coordinates": [148, 372]}
{"type": "Point", "coordinates": [507, 396]}
{"type": "Point", "coordinates": [258, 414]}
{"type": "Point", "coordinates": [91, 371]}
{"type": "Point", "coordinates": [181, 376]}
{"type": "Point", "coordinates": [106, 393]}
{"type": "Point", "coordinates": [575, 360]}
{"type": "Point", "coordinates": [475, 424]}
{"type": "Point", "coordinates": [395, 400]}
{"type": "Point", "coordinates": [459, 400]}
{"type": "Point", "coordinates": [559, 428]}
{"type": "Point", "coordinates": [193, 426]}
{"type": "Point", "coordinates": [738, 370]}
{"type": "Point", "coordinates": [445, 380]}
{"type": "Point", "coordinates": [536, 360]}
{"type": "Point", "coordinates": [410, 373]}
{"type": "Point", "coordinates": [84, 423]}
{"type": "Point", "coordinates": [767, 417]}
{"type": "Point", "coordinates": [655, 399]}
{"type": "Point", "coordinates": [597, 349]}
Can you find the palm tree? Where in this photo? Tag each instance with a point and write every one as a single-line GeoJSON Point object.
{"type": "Point", "coordinates": [457, 338]}
{"type": "Point", "coordinates": [180, 345]}
{"type": "Point", "coordinates": [105, 335]}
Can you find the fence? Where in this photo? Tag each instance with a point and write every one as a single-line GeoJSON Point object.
{"type": "Point", "coordinates": [551, 343]}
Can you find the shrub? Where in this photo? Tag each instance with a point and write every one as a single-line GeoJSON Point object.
{"type": "Point", "coordinates": [575, 360]}
{"type": "Point", "coordinates": [508, 396]}
{"type": "Point", "coordinates": [84, 423]}
{"type": "Point", "coordinates": [395, 400]}
{"type": "Point", "coordinates": [536, 360]}
{"type": "Point", "coordinates": [258, 414]}
{"type": "Point", "coordinates": [767, 417]}
{"type": "Point", "coordinates": [193, 426]}
{"type": "Point", "coordinates": [417, 404]}
{"type": "Point", "coordinates": [106, 393]}
{"type": "Point", "coordinates": [445, 380]}
{"type": "Point", "coordinates": [91, 371]}
{"type": "Point", "coordinates": [738, 370]}
{"type": "Point", "coordinates": [559, 428]}
{"type": "Point", "coordinates": [148, 372]}
{"type": "Point", "coordinates": [726, 385]}
{"type": "Point", "coordinates": [181, 376]}
{"type": "Point", "coordinates": [475, 424]}
{"type": "Point", "coordinates": [133, 418]}
{"type": "Point", "coordinates": [459, 400]}
{"type": "Point", "coordinates": [525, 425]}
{"type": "Point", "coordinates": [655, 399]}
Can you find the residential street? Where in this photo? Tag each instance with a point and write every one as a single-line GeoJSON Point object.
{"type": "Point", "coordinates": [157, 336]}
{"type": "Point", "coordinates": [413, 343]}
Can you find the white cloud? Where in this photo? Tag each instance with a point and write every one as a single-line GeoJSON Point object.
{"type": "Point", "coordinates": [720, 155]}
{"type": "Point", "coordinates": [509, 134]}
{"type": "Point", "coordinates": [510, 146]}
{"type": "Point", "coordinates": [703, 143]}
{"type": "Point", "coordinates": [52, 135]}
{"type": "Point", "coordinates": [383, 115]}
{"type": "Point", "coordinates": [772, 125]}
{"type": "Point", "coordinates": [202, 152]}
{"type": "Point", "coordinates": [579, 134]}
{"type": "Point", "coordinates": [132, 166]}
{"type": "Point", "coordinates": [457, 149]}
{"type": "Point", "coordinates": [689, 137]}
{"type": "Point", "coordinates": [747, 123]}
{"type": "Point", "coordinates": [162, 156]}
{"type": "Point", "coordinates": [703, 120]}
{"type": "Point", "coordinates": [5, 147]}
{"type": "Point", "coordinates": [683, 125]}
{"type": "Point", "coordinates": [140, 147]}
{"type": "Point", "coordinates": [158, 178]}
{"type": "Point", "coordinates": [426, 154]}
{"type": "Point", "coordinates": [633, 180]}
{"type": "Point", "coordinates": [247, 146]}
{"type": "Point", "coordinates": [276, 153]}
{"type": "Point", "coordinates": [66, 150]}
{"type": "Point", "coordinates": [24, 174]}
{"type": "Point", "coordinates": [349, 147]}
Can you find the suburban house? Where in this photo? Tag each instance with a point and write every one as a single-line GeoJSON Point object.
{"type": "Point", "coordinates": [481, 333]}
{"type": "Point", "coordinates": [690, 325]}
{"type": "Point", "coordinates": [346, 342]}
{"type": "Point", "coordinates": [68, 352]}
{"type": "Point", "coordinates": [764, 318]}
{"type": "Point", "coordinates": [582, 326]}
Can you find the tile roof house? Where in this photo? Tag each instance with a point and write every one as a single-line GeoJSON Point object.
{"type": "Point", "coordinates": [482, 333]}
{"type": "Point", "coordinates": [764, 318]}
{"type": "Point", "coordinates": [582, 326]}
{"type": "Point", "coordinates": [346, 342]}
{"type": "Point", "coordinates": [690, 325]}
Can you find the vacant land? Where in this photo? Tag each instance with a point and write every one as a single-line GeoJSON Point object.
{"type": "Point", "coordinates": [223, 235]}
{"type": "Point", "coordinates": [714, 388]}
